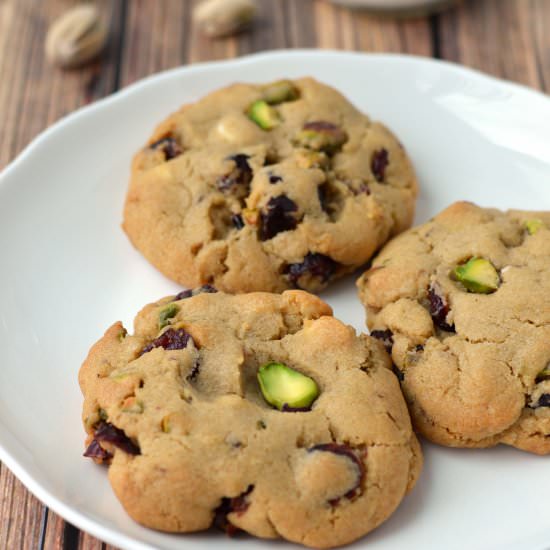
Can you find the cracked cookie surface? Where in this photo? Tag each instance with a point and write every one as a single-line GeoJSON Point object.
{"type": "Point", "coordinates": [216, 198]}
{"type": "Point", "coordinates": [463, 305]}
{"type": "Point", "coordinates": [178, 414]}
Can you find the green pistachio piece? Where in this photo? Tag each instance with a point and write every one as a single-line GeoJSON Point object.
{"type": "Point", "coordinates": [132, 405]}
{"type": "Point", "coordinates": [544, 374]}
{"type": "Point", "coordinates": [279, 92]}
{"type": "Point", "coordinates": [265, 116]}
{"type": "Point", "coordinates": [478, 275]}
{"type": "Point", "coordinates": [321, 135]}
{"type": "Point", "coordinates": [166, 314]}
{"type": "Point", "coordinates": [533, 225]}
{"type": "Point", "coordinates": [118, 376]}
{"type": "Point", "coordinates": [102, 413]}
{"type": "Point", "coordinates": [122, 334]}
{"type": "Point", "coordinates": [306, 158]}
{"type": "Point", "coordinates": [286, 388]}
{"type": "Point", "coordinates": [165, 424]}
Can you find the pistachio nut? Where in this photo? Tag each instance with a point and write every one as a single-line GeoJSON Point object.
{"type": "Point", "coordinates": [76, 37]}
{"type": "Point", "coordinates": [224, 17]}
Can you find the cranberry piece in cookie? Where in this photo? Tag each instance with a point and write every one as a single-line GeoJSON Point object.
{"type": "Point", "coordinates": [169, 146]}
{"type": "Point", "coordinates": [380, 161]}
{"type": "Point", "coordinates": [170, 339]}
{"type": "Point", "coordinates": [278, 215]}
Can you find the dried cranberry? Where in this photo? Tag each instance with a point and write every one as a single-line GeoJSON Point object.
{"type": "Point", "coordinates": [183, 295]}
{"type": "Point", "coordinates": [237, 221]}
{"type": "Point", "coordinates": [385, 336]}
{"type": "Point", "coordinates": [169, 146]}
{"type": "Point", "coordinates": [205, 289]}
{"type": "Point", "coordinates": [200, 290]}
{"type": "Point", "coordinates": [95, 450]}
{"type": "Point", "coordinates": [105, 431]}
{"type": "Point", "coordinates": [315, 265]}
{"type": "Point", "coordinates": [380, 161]}
{"type": "Point", "coordinates": [273, 178]}
{"type": "Point", "coordinates": [321, 126]}
{"type": "Point", "coordinates": [170, 339]}
{"type": "Point", "coordinates": [347, 451]}
{"type": "Point", "coordinates": [439, 310]}
{"type": "Point", "coordinates": [278, 216]}
{"type": "Point", "coordinates": [544, 400]}
{"type": "Point", "coordinates": [238, 505]}
{"type": "Point", "coordinates": [239, 178]}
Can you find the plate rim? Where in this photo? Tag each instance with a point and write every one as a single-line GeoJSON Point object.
{"type": "Point", "coordinates": [66, 511]}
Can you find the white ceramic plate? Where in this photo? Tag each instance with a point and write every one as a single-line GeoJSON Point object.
{"type": "Point", "coordinates": [404, 6]}
{"type": "Point", "coordinates": [67, 272]}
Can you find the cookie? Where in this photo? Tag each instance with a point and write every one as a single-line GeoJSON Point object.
{"type": "Point", "coordinates": [463, 305]}
{"type": "Point", "coordinates": [266, 188]}
{"type": "Point", "coordinates": [257, 412]}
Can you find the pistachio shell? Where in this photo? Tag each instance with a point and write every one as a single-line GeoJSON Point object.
{"type": "Point", "coordinates": [223, 17]}
{"type": "Point", "coordinates": [76, 37]}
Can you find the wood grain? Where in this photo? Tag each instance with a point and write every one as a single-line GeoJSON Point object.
{"type": "Point", "coordinates": [20, 514]}
{"type": "Point", "coordinates": [506, 38]}
{"type": "Point", "coordinates": [61, 535]}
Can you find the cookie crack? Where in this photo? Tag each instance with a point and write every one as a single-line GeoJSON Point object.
{"type": "Point", "coordinates": [506, 362]}
{"type": "Point", "coordinates": [530, 322]}
{"type": "Point", "coordinates": [484, 442]}
{"type": "Point", "coordinates": [271, 523]}
{"type": "Point", "coordinates": [474, 341]}
{"type": "Point", "coordinates": [332, 433]}
{"type": "Point", "coordinates": [538, 434]}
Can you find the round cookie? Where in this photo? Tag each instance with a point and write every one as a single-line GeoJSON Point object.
{"type": "Point", "coordinates": [177, 412]}
{"type": "Point", "coordinates": [265, 188]}
{"type": "Point", "coordinates": [463, 305]}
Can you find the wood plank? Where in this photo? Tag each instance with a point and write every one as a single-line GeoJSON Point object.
{"type": "Point", "coordinates": [299, 24]}
{"type": "Point", "coordinates": [539, 15]}
{"type": "Point", "coordinates": [20, 514]}
{"type": "Point", "coordinates": [155, 38]}
{"type": "Point", "coordinates": [167, 38]}
{"type": "Point", "coordinates": [54, 532]}
{"type": "Point", "coordinates": [341, 28]}
{"type": "Point", "coordinates": [87, 542]}
{"type": "Point", "coordinates": [269, 31]}
{"type": "Point", "coordinates": [505, 38]}
{"type": "Point", "coordinates": [61, 535]}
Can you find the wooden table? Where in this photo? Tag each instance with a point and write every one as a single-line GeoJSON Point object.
{"type": "Point", "coordinates": [503, 37]}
